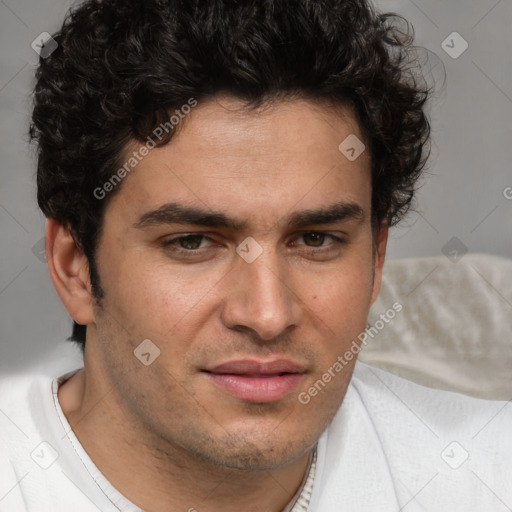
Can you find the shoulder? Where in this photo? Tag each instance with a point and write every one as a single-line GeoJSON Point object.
{"type": "Point", "coordinates": [28, 409]}
{"type": "Point", "coordinates": [406, 412]}
{"type": "Point", "coordinates": [20, 397]}
{"type": "Point", "coordinates": [395, 444]}
{"type": "Point", "coordinates": [445, 409]}
{"type": "Point", "coordinates": [17, 392]}
{"type": "Point", "coordinates": [451, 443]}
{"type": "Point", "coordinates": [32, 446]}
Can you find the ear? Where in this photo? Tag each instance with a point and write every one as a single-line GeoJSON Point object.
{"type": "Point", "coordinates": [69, 271]}
{"type": "Point", "coordinates": [381, 240]}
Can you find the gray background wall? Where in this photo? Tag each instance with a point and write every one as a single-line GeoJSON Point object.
{"type": "Point", "coordinates": [464, 193]}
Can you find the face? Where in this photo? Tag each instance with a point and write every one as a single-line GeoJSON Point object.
{"type": "Point", "coordinates": [243, 251]}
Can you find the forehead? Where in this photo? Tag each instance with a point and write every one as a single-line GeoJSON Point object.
{"type": "Point", "coordinates": [255, 163]}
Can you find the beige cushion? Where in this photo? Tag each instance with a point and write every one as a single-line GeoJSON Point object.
{"type": "Point", "coordinates": [455, 329]}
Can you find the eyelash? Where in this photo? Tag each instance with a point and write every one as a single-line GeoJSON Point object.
{"type": "Point", "coordinates": [172, 244]}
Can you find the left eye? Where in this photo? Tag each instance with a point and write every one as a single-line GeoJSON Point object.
{"type": "Point", "coordinates": [314, 239]}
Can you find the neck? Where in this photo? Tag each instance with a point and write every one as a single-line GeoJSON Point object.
{"type": "Point", "coordinates": [157, 475]}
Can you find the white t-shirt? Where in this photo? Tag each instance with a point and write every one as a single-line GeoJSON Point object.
{"type": "Point", "coordinates": [392, 446]}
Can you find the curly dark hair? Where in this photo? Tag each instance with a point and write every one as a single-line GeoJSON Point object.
{"type": "Point", "coordinates": [121, 66]}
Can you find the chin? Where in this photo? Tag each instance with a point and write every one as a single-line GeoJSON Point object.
{"type": "Point", "coordinates": [249, 454]}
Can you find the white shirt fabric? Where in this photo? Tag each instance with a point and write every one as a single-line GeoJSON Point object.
{"type": "Point", "coordinates": [392, 446]}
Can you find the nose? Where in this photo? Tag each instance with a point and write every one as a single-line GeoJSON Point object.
{"type": "Point", "coordinates": [260, 298]}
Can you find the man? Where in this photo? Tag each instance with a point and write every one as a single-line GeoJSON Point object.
{"type": "Point", "coordinates": [219, 179]}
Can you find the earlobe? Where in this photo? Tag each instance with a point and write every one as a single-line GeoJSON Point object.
{"type": "Point", "coordinates": [69, 271]}
{"type": "Point", "coordinates": [381, 240]}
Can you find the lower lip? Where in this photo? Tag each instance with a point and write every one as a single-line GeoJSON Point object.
{"type": "Point", "coordinates": [257, 389]}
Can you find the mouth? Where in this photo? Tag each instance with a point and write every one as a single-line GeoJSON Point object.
{"type": "Point", "coordinates": [254, 381]}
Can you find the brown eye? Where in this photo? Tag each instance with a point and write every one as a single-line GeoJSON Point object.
{"type": "Point", "coordinates": [317, 243]}
{"type": "Point", "coordinates": [188, 245]}
{"type": "Point", "coordinates": [314, 239]}
{"type": "Point", "coordinates": [190, 242]}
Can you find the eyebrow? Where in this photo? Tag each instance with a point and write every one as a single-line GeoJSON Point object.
{"type": "Point", "coordinates": [175, 213]}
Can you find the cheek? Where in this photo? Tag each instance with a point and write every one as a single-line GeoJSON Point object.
{"type": "Point", "coordinates": [343, 291]}
{"type": "Point", "coordinates": [339, 304]}
{"type": "Point", "coordinates": [157, 300]}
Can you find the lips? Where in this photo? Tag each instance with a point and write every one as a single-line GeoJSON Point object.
{"type": "Point", "coordinates": [253, 367]}
{"type": "Point", "coordinates": [257, 381]}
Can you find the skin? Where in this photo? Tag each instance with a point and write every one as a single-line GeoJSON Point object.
{"type": "Point", "coordinates": [305, 298]}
